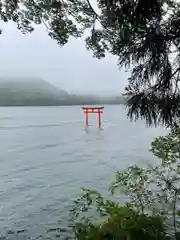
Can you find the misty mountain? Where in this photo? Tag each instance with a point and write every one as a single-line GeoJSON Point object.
{"type": "Point", "coordinates": [37, 92]}
{"type": "Point", "coordinates": [29, 91]}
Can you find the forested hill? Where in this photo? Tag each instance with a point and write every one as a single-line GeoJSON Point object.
{"type": "Point", "coordinates": [29, 91]}
{"type": "Point", "coordinates": [37, 92]}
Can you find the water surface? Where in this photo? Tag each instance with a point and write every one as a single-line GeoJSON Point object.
{"type": "Point", "coordinates": [47, 154]}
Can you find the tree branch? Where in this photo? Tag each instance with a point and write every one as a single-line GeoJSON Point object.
{"type": "Point", "coordinates": [174, 213]}
{"type": "Point", "coordinates": [178, 69]}
{"type": "Point", "coordinates": [97, 16]}
{"type": "Point", "coordinates": [37, 6]}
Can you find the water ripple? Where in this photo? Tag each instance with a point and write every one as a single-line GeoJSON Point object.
{"type": "Point", "coordinates": [47, 155]}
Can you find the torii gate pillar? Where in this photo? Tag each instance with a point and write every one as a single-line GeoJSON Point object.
{"type": "Point", "coordinates": [97, 110]}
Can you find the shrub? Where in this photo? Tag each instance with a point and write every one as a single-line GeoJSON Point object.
{"type": "Point", "coordinates": [153, 197]}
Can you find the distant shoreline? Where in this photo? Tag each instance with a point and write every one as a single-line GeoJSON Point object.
{"type": "Point", "coordinates": [17, 92]}
{"type": "Point", "coordinates": [63, 105]}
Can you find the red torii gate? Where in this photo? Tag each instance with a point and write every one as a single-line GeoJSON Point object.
{"type": "Point", "coordinates": [97, 110]}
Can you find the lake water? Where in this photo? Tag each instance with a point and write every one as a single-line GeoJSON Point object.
{"type": "Point", "coordinates": [47, 154]}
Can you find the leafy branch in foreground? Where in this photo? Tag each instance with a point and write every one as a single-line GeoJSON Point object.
{"type": "Point", "coordinates": [151, 209]}
{"type": "Point", "coordinates": [117, 222]}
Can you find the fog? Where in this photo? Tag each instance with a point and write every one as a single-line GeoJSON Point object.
{"type": "Point", "coordinates": [71, 67]}
{"type": "Point", "coordinates": [37, 92]}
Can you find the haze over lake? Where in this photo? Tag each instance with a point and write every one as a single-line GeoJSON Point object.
{"type": "Point", "coordinates": [47, 154]}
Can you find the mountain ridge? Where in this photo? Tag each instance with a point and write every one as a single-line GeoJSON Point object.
{"type": "Point", "coordinates": [28, 91]}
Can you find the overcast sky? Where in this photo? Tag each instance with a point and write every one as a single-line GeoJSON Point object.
{"type": "Point", "coordinates": [71, 67]}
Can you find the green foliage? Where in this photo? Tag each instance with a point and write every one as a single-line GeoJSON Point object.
{"type": "Point", "coordinates": [151, 209]}
{"type": "Point", "coordinates": [167, 148]}
{"type": "Point", "coordinates": [61, 18]}
{"type": "Point", "coordinates": [119, 222]}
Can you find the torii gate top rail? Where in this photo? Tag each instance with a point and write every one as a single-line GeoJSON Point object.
{"type": "Point", "coordinates": [97, 110]}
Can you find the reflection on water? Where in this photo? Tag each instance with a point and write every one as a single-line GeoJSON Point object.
{"type": "Point", "coordinates": [47, 154]}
